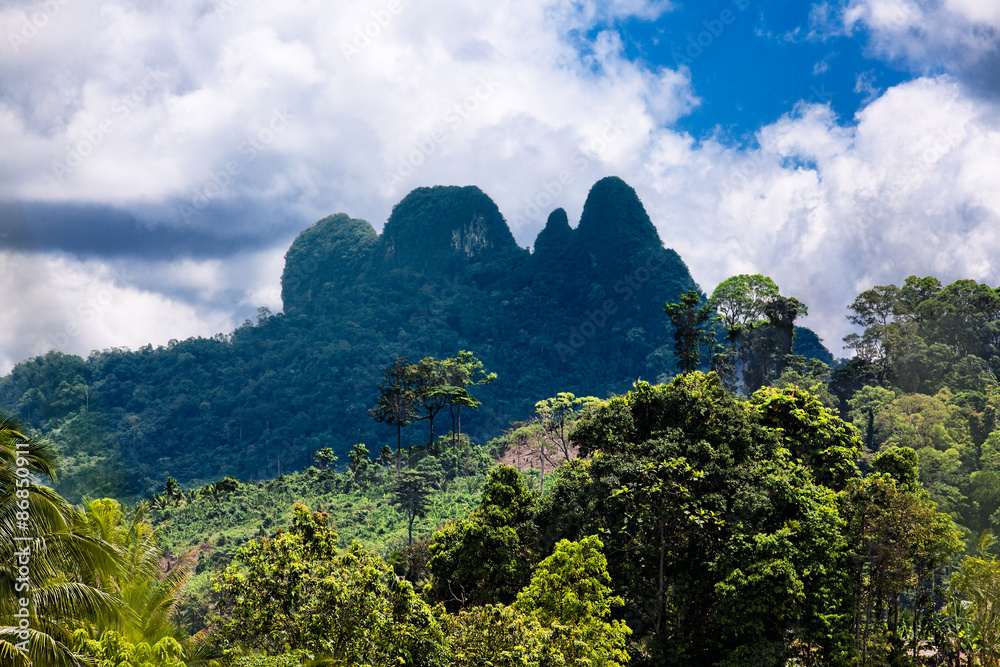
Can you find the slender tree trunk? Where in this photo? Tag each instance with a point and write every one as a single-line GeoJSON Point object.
{"type": "Point", "coordinates": [562, 434]}
{"type": "Point", "coordinates": [662, 592]}
{"type": "Point", "coordinates": [412, 517]}
{"type": "Point", "coordinates": [541, 465]}
{"type": "Point", "coordinates": [857, 610]}
{"type": "Point", "coordinates": [895, 618]}
{"type": "Point", "coordinates": [868, 624]}
{"type": "Point", "coordinates": [465, 450]}
{"type": "Point", "coordinates": [454, 431]}
{"type": "Point", "coordinates": [399, 449]}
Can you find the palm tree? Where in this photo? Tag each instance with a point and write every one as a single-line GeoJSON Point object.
{"type": "Point", "coordinates": [87, 570]}
{"type": "Point", "coordinates": [152, 596]}
{"type": "Point", "coordinates": [172, 490]}
{"type": "Point", "coordinates": [65, 564]}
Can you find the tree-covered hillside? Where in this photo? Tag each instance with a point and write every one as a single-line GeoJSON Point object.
{"type": "Point", "coordinates": [583, 313]}
{"type": "Point", "coordinates": [925, 376]}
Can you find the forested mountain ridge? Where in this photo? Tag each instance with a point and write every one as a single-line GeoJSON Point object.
{"type": "Point", "coordinates": [583, 313]}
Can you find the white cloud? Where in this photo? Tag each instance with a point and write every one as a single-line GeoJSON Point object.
{"type": "Point", "coordinates": [373, 102]}
{"type": "Point", "coordinates": [957, 34]}
{"type": "Point", "coordinates": [366, 84]}
{"type": "Point", "coordinates": [75, 306]}
{"type": "Point", "coordinates": [829, 211]}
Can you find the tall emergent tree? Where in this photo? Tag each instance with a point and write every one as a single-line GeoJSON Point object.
{"type": "Point", "coordinates": [462, 372]}
{"type": "Point", "coordinates": [689, 317]}
{"type": "Point", "coordinates": [412, 494]}
{"type": "Point", "coordinates": [548, 433]}
{"type": "Point", "coordinates": [760, 324]}
{"type": "Point", "coordinates": [396, 401]}
{"type": "Point", "coordinates": [431, 391]}
{"type": "Point", "coordinates": [415, 392]}
{"type": "Point", "coordinates": [874, 310]}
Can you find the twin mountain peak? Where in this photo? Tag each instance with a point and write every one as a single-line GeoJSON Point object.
{"type": "Point", "coordinates": [443, 231]}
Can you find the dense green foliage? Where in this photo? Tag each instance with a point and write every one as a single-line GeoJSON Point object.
{"type": "Point", "coordinates": [81, 583]}
{"type": "Point", "coordinates": [445, 275]}
{"type": "Point", "coordinates": [298, 590]}
{"type": "Point", "coordinates": [217, 519]}
{"type": "Point", "coordinates": [926, 377]}
{"type": "Point", "coordinates": [701, 529]}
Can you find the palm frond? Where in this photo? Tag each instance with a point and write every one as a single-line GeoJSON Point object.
{"type": "Point", "coordinates": [41, 457]}
{"type": "Point", "coordinates": [43, 649]}
{"type": "Point", "coordinates": [74, 600]}
{"type": "Point", "coordinates": [11, 655]}
{"type": "Point", "coordinates": [164, 597]}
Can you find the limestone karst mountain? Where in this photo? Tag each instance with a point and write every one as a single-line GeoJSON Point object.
{"type": "Point", "coordinates": [582, 313]}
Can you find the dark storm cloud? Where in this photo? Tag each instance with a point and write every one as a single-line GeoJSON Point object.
{"type": "Point", "coordinates": [982, 77]}
{"type": "Point", "coordinates": [92, 230]}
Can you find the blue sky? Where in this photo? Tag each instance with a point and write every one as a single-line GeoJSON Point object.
{"type": "Point", "coordinates": [750, 62]}
{"type": "Point", "coordinates": [158, 159]}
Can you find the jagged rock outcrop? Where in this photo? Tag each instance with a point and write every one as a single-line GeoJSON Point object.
{"type": "Point", "coordinates": [582, 314]}
{"type": "Point", "coordinates": [554, 239]}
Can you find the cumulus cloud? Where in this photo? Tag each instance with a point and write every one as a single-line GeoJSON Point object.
{"type": "Point", "coordinates": [200, 105]}
{"type": "Point", "coordinates": [58, 302]}
{"type": "Point", "coordinates": [830, 210]}
{"type": "Point", "coordinates": [186, 143]}
{"type": "Point", "coordinates": [962, 36]}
